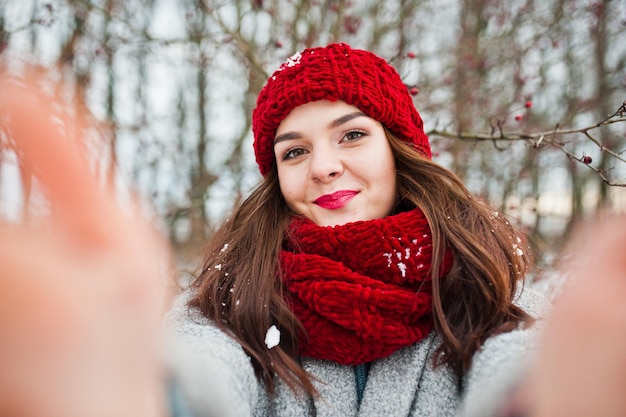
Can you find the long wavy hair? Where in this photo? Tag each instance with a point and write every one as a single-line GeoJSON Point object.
{"type": "Point", "coordinates": [240, 288]}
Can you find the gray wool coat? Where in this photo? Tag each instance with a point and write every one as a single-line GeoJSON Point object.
{"type": "Point", "coordinates": [217, 377]}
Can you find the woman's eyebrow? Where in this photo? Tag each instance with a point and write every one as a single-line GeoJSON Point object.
{"type": "Point", "coordinates": [335, 123]}
{"type": "Point", "coordinates": [344, 119]}
{"type": "Point", "coordinates": [287, 136]}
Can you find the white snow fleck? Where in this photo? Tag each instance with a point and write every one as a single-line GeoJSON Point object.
{"type": "Point", "coordinates": [293, 60]}
{"type": "Point", "coordinates": [237, 302]}
{"type": "Point", "coordinates": [388, 256]}
{"type": "Point", "coordinates": [218, 267]}
{"type": "Point", "coordinates": [272, 337]}
{"type": "Point", "coordinates": [407, 253]}
{"type": "Point", "coordinates": [224, 248]}
{"type": "Point", "coordinates": [519, 252]}
{"type": "Point", "coordinates": [402, 268]}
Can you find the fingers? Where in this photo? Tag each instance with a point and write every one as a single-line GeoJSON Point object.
{"type": "Point", "coordinates": [84, 211]}
{"type": "Point", "coordinates": [49, 141]}
{"type": "Point", "coordinates": [48, 144]}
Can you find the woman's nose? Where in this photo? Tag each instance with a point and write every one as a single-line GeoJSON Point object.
{"type": "Point", "coordinates": [325, 165]}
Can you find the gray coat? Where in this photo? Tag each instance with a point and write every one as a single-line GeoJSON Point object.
{"type": "Point", "coordinates": [218, 379]}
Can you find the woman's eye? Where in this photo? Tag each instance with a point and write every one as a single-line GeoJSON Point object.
{"type": "Point", "coordinates": [353, 135]}
{"type": "Point", "coordinates": [293, 153]}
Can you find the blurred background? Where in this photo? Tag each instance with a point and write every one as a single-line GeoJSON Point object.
{"type": "Point", "coordinates": [523, 99]}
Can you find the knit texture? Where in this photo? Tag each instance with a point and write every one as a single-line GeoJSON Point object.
{"type": "Point", "coordinates": [336, 72]}
{"type": "Point", "coordinates": [361, 290]}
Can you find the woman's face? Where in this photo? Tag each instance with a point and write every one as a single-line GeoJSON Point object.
{"type": "Point", "coordinates": [334, 164]}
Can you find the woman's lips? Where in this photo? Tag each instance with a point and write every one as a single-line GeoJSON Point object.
{"type": "Point", "coordinates": [335, 200]}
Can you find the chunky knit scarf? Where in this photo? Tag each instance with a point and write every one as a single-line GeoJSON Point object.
{"type": "Point", "coordinates": [362, 290]}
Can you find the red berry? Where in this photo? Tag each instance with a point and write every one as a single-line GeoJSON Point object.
{"type": "Point", "coordinates": [519, 117]}
{"type": "Point", "coordinates": [414, 91]}
{"type": "Point", "coordinates": [587, 159]}
{"type": "Point", "coordinates": [351, 24]}
{"type": "Point", "coordinates": [528, 104]}
{"type": "Point", "coordinates": [411, 54]}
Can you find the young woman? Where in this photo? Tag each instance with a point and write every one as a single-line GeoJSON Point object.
{"type": "Point", "coordinates": [435, 328]}
{"type": "Point", "coordinates": [359, 277]}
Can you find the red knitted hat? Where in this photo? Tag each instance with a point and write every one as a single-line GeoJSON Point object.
{"type": "Point", "coordinates": [336, 72]}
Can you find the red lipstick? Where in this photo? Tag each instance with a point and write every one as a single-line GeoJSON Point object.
{"type": "Point", "coordinates": [335, 200]}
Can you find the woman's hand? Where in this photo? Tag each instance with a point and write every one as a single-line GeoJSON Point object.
{"type": "Point", "coordinates": [82, 291]}
{"type": "Point", "coordinates": [581, 366]}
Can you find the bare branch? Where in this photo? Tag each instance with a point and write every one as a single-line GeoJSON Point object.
{"type": "Point", "coordinates": [549, 138]}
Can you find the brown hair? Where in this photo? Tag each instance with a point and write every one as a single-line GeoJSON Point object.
{"type": "Point", "coordinates": [240, 289]}
{"type": "Point", "coordinates": [475, 299]}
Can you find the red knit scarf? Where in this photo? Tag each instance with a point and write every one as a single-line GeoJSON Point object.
{"type": "Point", "coordinates": [361, 290]}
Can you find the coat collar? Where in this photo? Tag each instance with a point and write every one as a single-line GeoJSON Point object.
{"type": "Point", "coordinates": [398, 385]}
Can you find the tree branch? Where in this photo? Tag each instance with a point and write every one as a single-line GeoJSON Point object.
{"type": "Point", "coordinates": [549, 138]}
